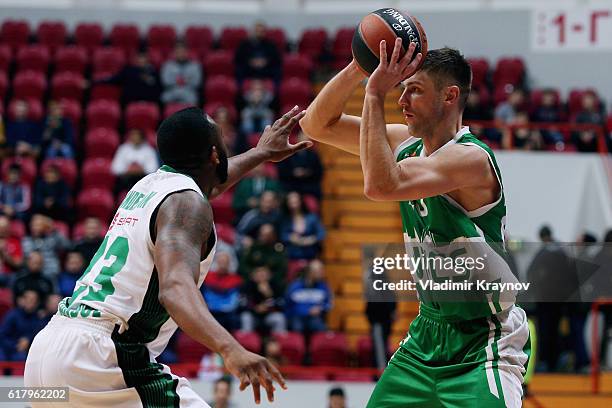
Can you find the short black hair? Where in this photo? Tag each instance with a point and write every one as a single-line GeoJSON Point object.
{"type": "Point", "coordinates": [185, 139]}
{"type": "Point", "coordinates": [545, 232]}
{"type": "Point", "coordinates": [336, 391]}
{"type": "Point", "coordinates": [448, 66]}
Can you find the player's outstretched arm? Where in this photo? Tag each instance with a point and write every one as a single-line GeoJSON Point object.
{"type": "Point", "coordinates": [184, 223]}
{"type": "Point", "coordinates": [272, 146]}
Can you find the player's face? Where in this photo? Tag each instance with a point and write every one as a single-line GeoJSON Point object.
{"type": "Point", "coordinates": [421, 103]}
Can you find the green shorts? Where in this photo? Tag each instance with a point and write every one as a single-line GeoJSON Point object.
{"type": "Point", "coordinates": [466, 364]}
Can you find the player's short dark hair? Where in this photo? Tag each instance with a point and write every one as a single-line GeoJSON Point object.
{"type": "Point", "coordinates": [336, 392]}
{"type": "Point", "coordinates": [448, 66]}
{"type": "Point", "coordinates": [225, 379]}
{"type": "Point", "coordinates": [185, 139]}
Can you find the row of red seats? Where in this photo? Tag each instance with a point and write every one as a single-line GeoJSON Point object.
{"type": "Point", "coordinates": [106, 61]}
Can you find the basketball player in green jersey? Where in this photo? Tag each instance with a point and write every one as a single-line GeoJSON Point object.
{"type": "Point", "coordinates": [448, 184]}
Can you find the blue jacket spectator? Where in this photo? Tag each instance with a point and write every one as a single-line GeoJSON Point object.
{"type": "Point", "coordinates": [73, 269]}
{"type": "Point", "coordinates": [221, 290]}
{"type": "Point", "coordinates": [49, 242]}
{"type": "Point", "coordinates": [20, 326]}
{"type": "Point", "coordinates": [15, 196]}
{"type": "Point", "coordinates": [58, 134]}
{"type": "Point", "coordinates": [22, 132]}
{"type": "Point", "coordinates": [308, 300]}
{"type": "Point", "coordinates": [302, 231]}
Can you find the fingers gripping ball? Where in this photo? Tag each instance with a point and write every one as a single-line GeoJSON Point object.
{"type": "Point", "coordinates": [386, 24]}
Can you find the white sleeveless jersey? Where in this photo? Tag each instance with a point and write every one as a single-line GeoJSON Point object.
{"type": "Point", "coordinates": [121, 281]}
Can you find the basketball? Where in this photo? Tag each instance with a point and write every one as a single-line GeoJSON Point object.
{"type": "Point", "coordinates": [386, 24]}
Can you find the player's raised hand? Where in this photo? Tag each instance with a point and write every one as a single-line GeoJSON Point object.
{"type": "Point", "coordinates": [275, 139]}
{"type": "Point", "coordinates": [391, 72]}
{"type": "Point", "coordinates": [252, 369]}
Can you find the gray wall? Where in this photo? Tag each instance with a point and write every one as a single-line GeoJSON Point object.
{"type": "Point", "coordinates": [485, 33]}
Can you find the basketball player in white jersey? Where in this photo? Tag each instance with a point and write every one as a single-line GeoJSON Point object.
{"type": "Point", "coordinates": [144, 280]}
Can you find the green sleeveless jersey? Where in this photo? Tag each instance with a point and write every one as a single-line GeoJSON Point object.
{"type": "Point", "coordinates": [439, 227]}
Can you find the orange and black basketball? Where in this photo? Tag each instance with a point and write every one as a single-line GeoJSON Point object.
{"type": "Point", "coordinates": [386, 24]}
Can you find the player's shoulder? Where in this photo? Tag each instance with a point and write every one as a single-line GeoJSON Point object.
{"type": "Point", "coordinates": [188, 204]}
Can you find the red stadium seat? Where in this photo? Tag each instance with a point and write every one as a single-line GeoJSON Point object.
{"type": "Point", "coordinates": [480, 70]}
{"type": "Point", "coordinates": [352, 376]}
{"type": "Point", "coordinates": [162, 37]}
{"type": "Point", "coordinates": [33, 57]}
{"type": "Point", "coordinates": [249, 340]}
{"type": "Point", "coordinates": [4, 83]}
{"type": "Point", "coordinates": [574, 101]}
{"type": "Point", "coordinates": [28, 168]}
{"type": "Point", "coordinates": [89, 35]}
{"type": "Point", "coordinates": [95, 202]}
{"type": "Point", "coordinates": [107, 61]}
{"type": "Point", "coordinates": [248, 84]}
{"type": "Point", "coordinates": [126, 37]}
{"type": "Point", "coordinates": [222, 208]}
{"type": "Point", "coordinates": [105, 91]}
{"type": "Point", "coordinates": [364, 351]}
{"type": "Point", "coordinates": [142, 115]}
{"type": "Point", "coordinates": [312, 42]}
{"type": "Point", "coordinates": [294, 268]}
{"type": "Point", "coordinates": [67, 168]}
{"type": "Point", "coordinates": [6, 302]}
{"type": "Point", "coordinates": [329, 349]}
{"type": "Point", "coordinates": [231, 37]}
{"type": "Point", "coordinates": [253, 139]}
{"type": "Point", "coordinates": [103, 113]}
{"type": "Point", "coordinates": [17, 229]}
{"type": "Point", "coordinates": [509, 71]}
{"type": "Point", "coordinates": [501, 93]}
{"type": "Point", "coordinates": [341, 46]}
{"type": "Point", "coordinates": [72, 110]}
{"type": "Point", "coordinates": [188, 350]}
{"type": "Point", "coordinates": [278, 37]}
{"type": "Point", "coordinates": [71, 58]}
{"type": "Point", "coordinates": [221, 89]}
{"type": "Point", "coordinates": [15, 33]}
{"type": "Point", "coordinates": [219, 63]}
{"type": "Point", "coordinates": [52, 34]}
{"type": "Point", "coordinates": [97, 173]}
{"type": "Point", "coordinates": [226, 232]}
{"type": "Point", "coordinates": [35, 112]}
{"type": "Point", "coordinates": [101, 143]}
{"type": "Point", "coordinates": [292, 345]}
{"type": "Point", "coordinates": [312, 203]}
{"type": "Point", "coordinates": [6, 56]}
{"type": "Point", "coordinates": [295, 91]}
{"type": "Point", "coordinates": [78, 231]}
{"type": "Point", "coordinates": [171, 108]}
{"type": "Point", "coordinates": [297, 66]}
{"type": "Point", "coordinates": [199, 39]}
{"type": "Point", "coordinates": [29, 85]}
{"type": "Point", "coordinates": [68, 85]}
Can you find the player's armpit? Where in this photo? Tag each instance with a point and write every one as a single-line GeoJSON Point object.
{"type": "Point", "coordinates": [453, 168]}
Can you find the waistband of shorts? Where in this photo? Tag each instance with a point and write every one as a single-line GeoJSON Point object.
{"type": "Point", "coordinates": [433, 314]}
{"type": "Point", "coordinates": [104, 326]}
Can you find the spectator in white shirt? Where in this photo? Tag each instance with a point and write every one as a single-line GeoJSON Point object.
{"type": "Point", "coordinates": [133, 160]}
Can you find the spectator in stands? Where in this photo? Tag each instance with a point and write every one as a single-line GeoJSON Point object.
{"type": "Point", "coordinates": [266, 213]}
{"type": "Point", "coordinates": [139, 81]}
{"type": "Point", "coordinates": [19, 327]}
{"type": "Point", "coordinates": [250, 189]}
{"type": "Point", "coordinates": [256, 114]}
{"type": "Point", "coordinates": [222, 394]}
{"type": "Point", "coordinates": [337, 399]}
{"type": "Point", "coordinates": [586, 140]}
{"type": "Point", "coordinates": [221, 289]}
{"type": "Point", "coordinates": [32, 278]}
{"type": "Point", "coordinates": [44, 238]}
{"type": "Point", "coordinates": [262, 302]}
{"type": "Point", "coordinates": [133, 160]}
{"type": "Point", "coordinates": [229, 250]}
{"type": "Point", "coordinates": [258, 57]}
{"type": "Point", "coordinates": [302, 231]}
{"type": "Point", "coordinates": [507, 111]}
{"type": "Point", "coordinates": [181, 77]}
{"type": "Point", "coordinates": [381, 316]}
{"type": "Point", "coordinates": [265, 251]}
{"type": "Point", "coordinates": [519, 137]}
{"type": "Point", "coordinates": [58, 133]}
{"type": "Point", "coordinates": [15, 195]}
{"type": "Point", "coordinates": [548, 112]}
{"type": "Point", "coordinates": [22, 134]}
{"type": "Point", "coordinates": [52, 195]}
{"type": "Point", "coordinates": [308, 300]}
{"type": "Point", "coordinates": [74, 266]}
{"type": "Point", "coordinates": [91, 240]}
{"type": "Point", "coordinates": [234, 140]}
{"type": "Point", "coordinates": [302, 172]}
{"type": "Point", "coordinates": [475, 109]}
{"type": "Point", "coordinates": [11, 255]}
{"type": "Point", "coordinates": [272, 350]}
{"type": "Point", "coordinates": [50, 308]}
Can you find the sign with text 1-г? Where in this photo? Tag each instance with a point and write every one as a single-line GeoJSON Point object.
{"type": "Point", "coordinates": [572, 29]}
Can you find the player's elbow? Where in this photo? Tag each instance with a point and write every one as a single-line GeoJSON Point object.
{"type": "Point", "coordinates": [308, 126]}
{"type": "Point", "coordinates": [375, 191]}
{"type": "Point", "coordinates": [169, 292]}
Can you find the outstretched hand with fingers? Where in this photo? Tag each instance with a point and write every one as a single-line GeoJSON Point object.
{"type": "Point", "coordinates": [391, 72]}
{"type": "Point", "coordinates": [252, 369]}
{"type": "Point", "coordinates": [275, 138]}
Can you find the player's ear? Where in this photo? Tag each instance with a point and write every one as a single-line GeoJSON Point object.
{"type": "Point", "coordinates": [452, 94]}
{"type": "Point", "coordinates": [214, 155]}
